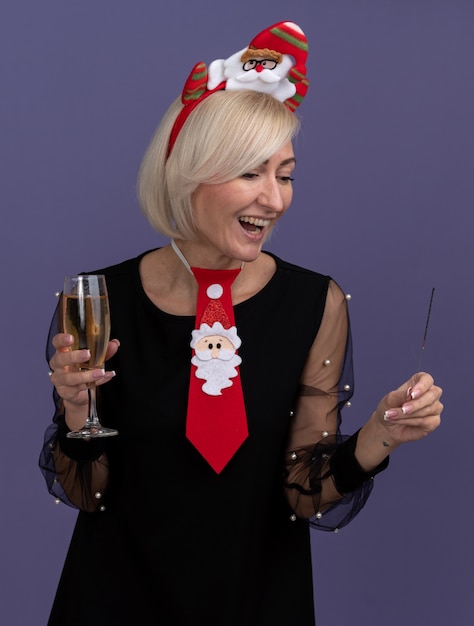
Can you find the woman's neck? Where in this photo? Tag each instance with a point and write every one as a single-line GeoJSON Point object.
{"type": "Point", "coordinates": [193, 254]}
{"type": "Point", "coordinates": [173, 288]}
{"type": "Point", "coordinates": [180, 254]}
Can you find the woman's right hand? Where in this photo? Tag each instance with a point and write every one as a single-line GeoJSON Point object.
{"type": "Point", "coordinates": [70, 382]}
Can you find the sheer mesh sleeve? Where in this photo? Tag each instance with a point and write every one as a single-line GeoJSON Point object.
{"type": "Point", "coordinates": [76, 472]}
{"type": "Point", "coordinates": [323, 480]}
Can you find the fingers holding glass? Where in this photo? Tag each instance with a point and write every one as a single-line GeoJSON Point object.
{"type": "Point", "coordinates": [86, 318]}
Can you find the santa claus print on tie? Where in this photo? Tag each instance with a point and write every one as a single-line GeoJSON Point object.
{"type": "Point", "coordinates": [215, 345]}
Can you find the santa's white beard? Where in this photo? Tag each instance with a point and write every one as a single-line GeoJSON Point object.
{"type": "Point", "coordinates": [216, 372]}
{"type": "Point", "coordinates": [281, 89]}
{"type": "Point", "coordinates": [266, 76]}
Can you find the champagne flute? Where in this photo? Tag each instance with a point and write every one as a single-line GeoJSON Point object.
{"type": "Point", "coordinates": [86, 317]}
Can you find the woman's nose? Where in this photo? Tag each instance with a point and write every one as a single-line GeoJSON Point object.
{"type": "Point", "coordinates": [270, 196]}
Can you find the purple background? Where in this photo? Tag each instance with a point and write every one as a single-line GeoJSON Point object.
{"type": "Point", "coordinates": [384, 199]}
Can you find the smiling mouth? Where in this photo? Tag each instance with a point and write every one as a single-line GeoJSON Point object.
{"type": "Point", "coordinates": [253, 224]}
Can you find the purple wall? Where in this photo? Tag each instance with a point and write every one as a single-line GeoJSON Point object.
{"type": "Point", "coordinates": [384, 200]}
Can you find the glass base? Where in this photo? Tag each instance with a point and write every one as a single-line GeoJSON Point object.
{"type": "Point", "coordinates": [91, 432]}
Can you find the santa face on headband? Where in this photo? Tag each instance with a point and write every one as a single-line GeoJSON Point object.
{"type": "Point", "coordinates": [261, 70]}
{"type": "Point", "coordinates": [274, 63]}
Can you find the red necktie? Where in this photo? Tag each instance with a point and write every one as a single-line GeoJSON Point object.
{"type": "Point", "coordinates": [216, 421]}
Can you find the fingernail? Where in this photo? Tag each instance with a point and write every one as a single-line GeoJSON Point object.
{"type": "Point", "coordinates": [98, 373]}
{"type": "Point", "coordinates": [407, 408]}
{"type": "Point", "coordinates": [416, 393]}
{"type": "Point", "coordinates": [409, 390]}
{"type": "Point", "coordinates": [390, 414]}
{"type": "Point", "coordinates": [86, 355]}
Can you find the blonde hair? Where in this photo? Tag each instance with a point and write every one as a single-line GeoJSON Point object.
{"type": "Point", "coordinates": [229, 133]}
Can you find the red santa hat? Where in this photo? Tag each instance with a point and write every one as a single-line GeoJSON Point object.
{"type": "Point", "coordinates": [287, 38]}
{"type": "Point", "coordinates": [215, 319]}
{"type": "Point", "coordinates": [214, 311]}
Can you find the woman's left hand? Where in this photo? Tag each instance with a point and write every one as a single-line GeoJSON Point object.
{"type": "Point", "coordinates": [412, 411]}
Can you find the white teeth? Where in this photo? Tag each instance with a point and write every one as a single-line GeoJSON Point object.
{"type": "Point", "coordinates": [255, 221]}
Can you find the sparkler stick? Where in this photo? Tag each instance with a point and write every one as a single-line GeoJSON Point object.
{"type": "Point", "coordinates": [426, 331]}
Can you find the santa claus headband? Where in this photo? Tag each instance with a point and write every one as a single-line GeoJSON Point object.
{"type": "Point", "coordinates": [274, 62]}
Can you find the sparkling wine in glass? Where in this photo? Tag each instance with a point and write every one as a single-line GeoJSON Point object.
{"type": "Point", "coordinates": [86, 317]}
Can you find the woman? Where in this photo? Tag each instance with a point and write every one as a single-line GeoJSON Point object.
{"type": "Point", "coordinates": [189, 524]}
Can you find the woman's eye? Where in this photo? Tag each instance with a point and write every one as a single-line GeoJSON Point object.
{"type": "Point", "coordinates": [249, 175]}
{"type": "Point", "coordinates": [286, 179]}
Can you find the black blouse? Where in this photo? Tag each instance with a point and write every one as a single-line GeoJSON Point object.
{"type": "Point", "coordinates": [160, 537]}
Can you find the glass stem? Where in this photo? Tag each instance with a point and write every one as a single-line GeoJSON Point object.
{"type": "Point", "coordinates": [93, 418]}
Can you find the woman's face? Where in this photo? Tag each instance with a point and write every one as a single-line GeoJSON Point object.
{"type": "Point", "coordinates": [233, 219]}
